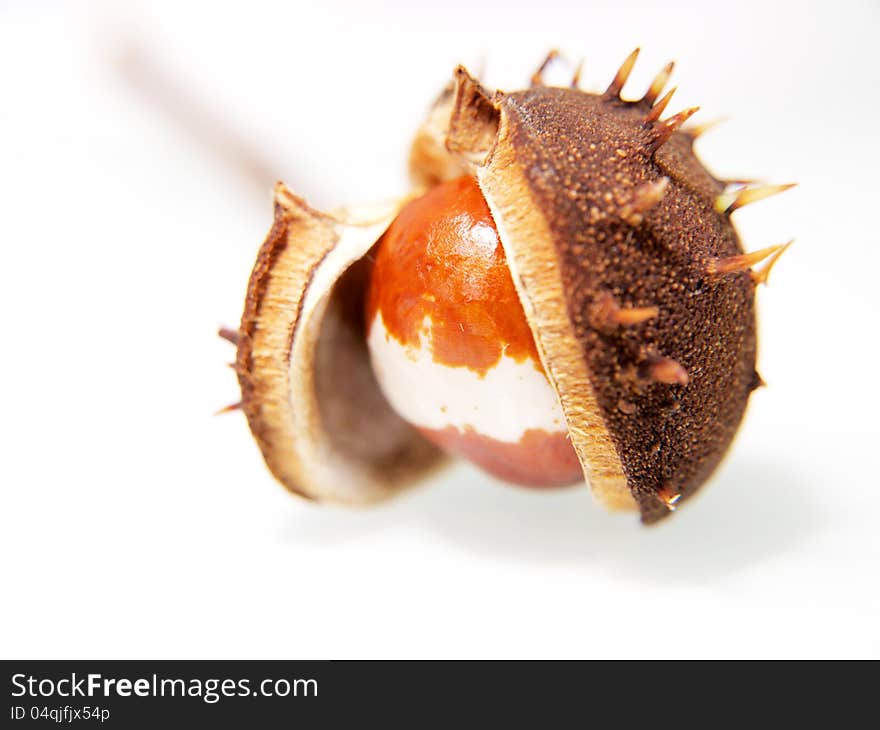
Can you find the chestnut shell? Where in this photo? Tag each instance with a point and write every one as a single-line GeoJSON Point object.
{"type": "Point", "coordinates": [562, 167]}
{"type": "Point", "coordinates": [308, 391]}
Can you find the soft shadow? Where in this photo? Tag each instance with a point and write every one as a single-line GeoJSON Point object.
{"type": "Point", "coordinates": [751, 512]}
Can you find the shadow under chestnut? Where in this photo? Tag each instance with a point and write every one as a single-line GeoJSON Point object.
{"type": "Point", "coordinates": [750, 512]}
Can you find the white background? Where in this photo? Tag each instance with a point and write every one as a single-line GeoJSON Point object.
{"type": "Point", "coordinates": [136, 524]}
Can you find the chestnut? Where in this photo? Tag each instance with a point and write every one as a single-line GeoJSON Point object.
{"type": "Point", "coordinates": [450, 344]}
{"type": "Point", "coordinates": [562, 297]}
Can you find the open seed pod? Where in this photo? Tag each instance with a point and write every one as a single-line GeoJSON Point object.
{"type": "Point", "coordinates": [632, 280]}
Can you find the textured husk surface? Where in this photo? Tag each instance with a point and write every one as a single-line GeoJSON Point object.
{"type": "Point", "coordinates": [558, 168]}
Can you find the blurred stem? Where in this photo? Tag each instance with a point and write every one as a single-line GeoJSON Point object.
{"type": "Point", "coordinates": [140, 68]}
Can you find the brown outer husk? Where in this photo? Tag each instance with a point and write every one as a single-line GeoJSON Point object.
{"type": "Point", "coordinates": [308, 392]}
{"type": "Point", "coordinates": [559, 169]}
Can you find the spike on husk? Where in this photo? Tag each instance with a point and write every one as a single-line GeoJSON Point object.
{"type": "Point", "coordinates": [658, 84]}
{"type": "Point", "coordinates": [617, 83]}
